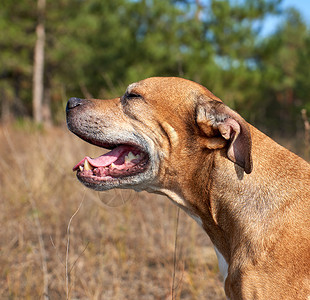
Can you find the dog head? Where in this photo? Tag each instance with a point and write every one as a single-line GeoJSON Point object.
{"type": "Point", "coordinates": [162, 133]}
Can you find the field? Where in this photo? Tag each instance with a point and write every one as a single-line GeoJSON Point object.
{"type": "Point", "coordinates": [60, 240]}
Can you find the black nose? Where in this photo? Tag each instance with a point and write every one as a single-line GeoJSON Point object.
{"type": "Point", "coordinates": [73, 102]}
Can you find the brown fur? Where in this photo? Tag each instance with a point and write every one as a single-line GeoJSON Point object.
{"type": "Point", "coordinates": [251, 194]}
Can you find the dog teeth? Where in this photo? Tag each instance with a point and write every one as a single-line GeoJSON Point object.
{"type": "Point", "coordinates": [130, 157]}
{"type": "Point", "coordinates": [81, 168]}
{"type": "Point", "coordinates": [113, 166]}
{"type": "Point", "coordinates": [87, 165]}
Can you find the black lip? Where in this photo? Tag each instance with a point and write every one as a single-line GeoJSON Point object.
{"type": "Point", "coordinates": [108, 146]}
{"type": "Point", "coordinates": [98, 142]}
{"type": "Point", "coordinates": [93, 180]}
{"type": "Point", "coordinates": [90, 139]}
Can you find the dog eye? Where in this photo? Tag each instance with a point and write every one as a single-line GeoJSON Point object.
{"type": "Point", "coordinates": [132, 95]}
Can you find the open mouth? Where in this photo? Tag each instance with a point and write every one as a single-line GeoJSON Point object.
{"type": "Point", "coordinates": [122, 161]}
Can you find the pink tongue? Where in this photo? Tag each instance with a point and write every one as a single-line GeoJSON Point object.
{"type": "Point", "coordinates": [103, 160]}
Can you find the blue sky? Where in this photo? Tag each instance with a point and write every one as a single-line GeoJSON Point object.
{"type": "Point", "coordinates": [303, 6]}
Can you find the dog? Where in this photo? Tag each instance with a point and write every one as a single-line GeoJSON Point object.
{"type": "Point", "coordinates": [172, 136]}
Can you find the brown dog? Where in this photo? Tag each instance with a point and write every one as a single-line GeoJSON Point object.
{"type": "Point", "coordinates": [252, 197]}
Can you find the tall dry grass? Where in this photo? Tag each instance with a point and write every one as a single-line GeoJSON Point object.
{"type": "Point", "coordinates": [59, 240]}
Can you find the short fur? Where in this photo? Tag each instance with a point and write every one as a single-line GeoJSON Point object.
{"type": "Point", "coordinates": [251, 195]}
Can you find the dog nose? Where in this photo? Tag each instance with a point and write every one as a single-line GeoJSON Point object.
{"type": "Point", "coordinates": [73, 102]}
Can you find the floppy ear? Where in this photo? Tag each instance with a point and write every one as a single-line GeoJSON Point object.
{"type": "Point", "coordinates": [218, 121]}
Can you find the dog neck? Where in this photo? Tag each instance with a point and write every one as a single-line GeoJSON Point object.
{"type": "Point", "coordinates": [231, 205]}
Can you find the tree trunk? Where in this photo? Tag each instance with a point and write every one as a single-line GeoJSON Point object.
{"type": "Point", "coordinates": [5, 106]}
{"type": "Point", "coordinates": [38, 67]}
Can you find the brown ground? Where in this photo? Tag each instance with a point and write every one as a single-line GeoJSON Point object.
{"type": "Point", "coordinates": [122, 252]}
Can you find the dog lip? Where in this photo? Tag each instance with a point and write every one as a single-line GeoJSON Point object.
{"type": "Point", "coordinates": [98, 179]}
{"type": "Point", "coordinates": [106, 177]}
{"type": "Point", "coordinates": [98, 142]}
{"type": "Point", "coordinates": [109, 158]}
{"type": "Point", "coordinates": [123, 163]}
{"type": "Point", "coordinates": [108, 145]}
{"type": "Point", "coordinates": [115, 173]}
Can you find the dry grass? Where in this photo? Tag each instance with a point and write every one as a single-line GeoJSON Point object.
{"type": "Point", "coordinates": [122, 252]}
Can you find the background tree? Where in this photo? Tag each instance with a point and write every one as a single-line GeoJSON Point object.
{"type": "Point", "coordinates": [282, 55]}
{"type": "Point", "coordinates": [95, 48]}
{"type": "Point", "coordinates": [17, 25]}
{"type": "Point", "coordinates": [38, 65]}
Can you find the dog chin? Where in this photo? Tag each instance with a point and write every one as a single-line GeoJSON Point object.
{"type": "Point", "coordinates": [135, 182]}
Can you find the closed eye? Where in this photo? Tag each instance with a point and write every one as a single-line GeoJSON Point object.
{"type": "Point", "coordinates": [132, 95]}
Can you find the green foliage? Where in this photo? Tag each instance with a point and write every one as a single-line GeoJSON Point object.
{"type": "Point", "coordinates": [283, 58]}
{"type": "Point", "coordinates": [17, 26]}
{"type": "Point", "coordinates": [95, 48]}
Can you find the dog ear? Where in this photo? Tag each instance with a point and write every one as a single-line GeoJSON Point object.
{"type": "Point", "coordinates": [218, 121]}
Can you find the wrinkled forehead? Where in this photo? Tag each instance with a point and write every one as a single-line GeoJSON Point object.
{"type": "Point", "coordinates": [158, 84]}
{"type": "Point", "coordinates": [172, 87]}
